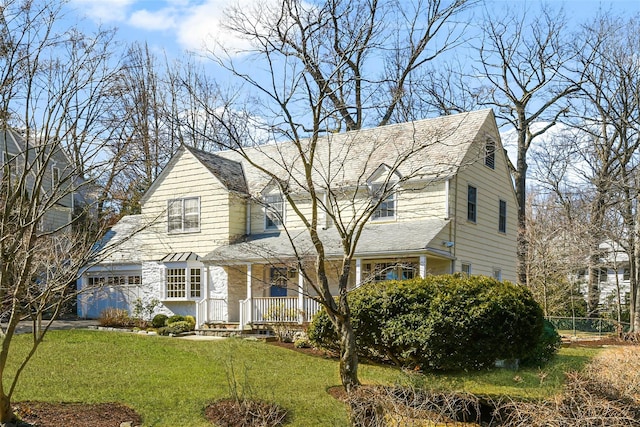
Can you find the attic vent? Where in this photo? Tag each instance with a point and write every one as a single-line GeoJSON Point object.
{"type": "Point", "coordinates": [490, 154]}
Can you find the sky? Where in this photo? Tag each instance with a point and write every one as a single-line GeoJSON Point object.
{"type": "Point", "coordinates": [175, 26]}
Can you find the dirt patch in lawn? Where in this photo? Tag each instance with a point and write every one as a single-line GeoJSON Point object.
{"type": "Point", "coordinates": [44, 414]}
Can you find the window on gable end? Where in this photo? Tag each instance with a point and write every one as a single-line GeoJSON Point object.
{"type": "Point", "coordinates": [472, 203]}
{"type": "Point", "coordinates": [502, 217]}
{"type": "Point", "coordinates": [490, 154]}
{"type": "Point", "coordinates": [55, 176]}
{"type": "Point", "coordinates": [183, 215]}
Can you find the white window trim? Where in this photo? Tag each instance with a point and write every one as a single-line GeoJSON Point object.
{"type": "Point", "coordinates": [475, 203]}
{"type": "Point", "coordinates": [55, 176]}
{"type": "Point", "coordinates": [493, 154]}
{"type": "Point", "coordinates": [392, 194]}
{"type": "Point", "coordinates": [267, 207]}
{"type": "Point", "coordinates": [182, 216]}
{"type": "Point", "coordinates": [187, 267]}
{"type": "Point", "coordinates": [500, 202]}
{"type": "Point", "coordinates": [462, 264]}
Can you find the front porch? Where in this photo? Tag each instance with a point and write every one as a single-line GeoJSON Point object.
{"type": "Point", "coordinates": [259, 311]}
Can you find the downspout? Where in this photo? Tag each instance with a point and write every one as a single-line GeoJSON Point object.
{"type": "Point", "coordinates": [248, 219]}
{"type": "Point", "coordinates": [454, 225]}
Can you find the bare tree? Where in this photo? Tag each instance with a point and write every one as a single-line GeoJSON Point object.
{"type": "Point", "coordinates": [606, 112]}
{"type": "Point", "coordinates": [321, 77]}
{"type": "Point", "coordinates": [522, 65]}
{"type": "Point", "coordinates": [54, 85]}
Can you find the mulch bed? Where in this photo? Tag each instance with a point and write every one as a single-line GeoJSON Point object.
{"type": "Point", "coordinates": [42, 414]}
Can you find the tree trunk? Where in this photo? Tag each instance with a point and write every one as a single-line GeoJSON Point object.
{"type": "Point", "coordinates": [348, 356]}
{"type": "Point", "coordinates": [6, 413]}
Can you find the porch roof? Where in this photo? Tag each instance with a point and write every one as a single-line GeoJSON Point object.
{"type": "Point", "coordinates": [376, 240]}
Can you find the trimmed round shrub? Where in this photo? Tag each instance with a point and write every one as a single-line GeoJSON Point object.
{"type": "Point", "coordinates": [191, 321]}
{"type": "Point", "coordinates": [175, 328]}
{"type": "Point", "coordinates": [159, 320]}
{"type": "Point", "coordinates": [175, 318]}
{"type": "Point", "coordinates": [547, 346]}
{"type": "Point", "coordinates": [440, 322]}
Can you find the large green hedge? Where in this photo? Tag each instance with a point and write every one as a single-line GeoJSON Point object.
{"type": "Point", "coordinates": [440, 322]}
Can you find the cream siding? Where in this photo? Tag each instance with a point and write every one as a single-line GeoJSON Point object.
{"type": "Point", "coordinates": [480, 243]}
{"type": "Point", "coordinates": [187, 178]}
{"type": "Point", "coordinates": [418, 201]}
{"type": "Point", "coordinates": [237, 216]}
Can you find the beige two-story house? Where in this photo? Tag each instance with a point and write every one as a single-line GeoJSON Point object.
{"type": "Point", "coordinates": [221, 240]}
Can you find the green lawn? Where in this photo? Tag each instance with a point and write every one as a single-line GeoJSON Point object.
{"type": "Point", "coordinates": [169, 381]}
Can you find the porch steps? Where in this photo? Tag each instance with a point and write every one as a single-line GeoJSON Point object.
{"type": "Point", "coordinates": [233, 329]}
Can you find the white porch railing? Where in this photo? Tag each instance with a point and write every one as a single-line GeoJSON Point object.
{"type": "Point", "coordinates": [265, 310]}
{"type": "Point", "coordinates": [212, 310]}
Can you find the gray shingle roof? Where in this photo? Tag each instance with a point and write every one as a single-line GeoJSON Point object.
{"type": "Point", "coordinates": [424, 149]}
{"type": "Point", "coordinates": [376, 239]}
{"type": "Point", "coordinates": [122, 242]}
{"type": "Point", "coordinates": [229, 172]}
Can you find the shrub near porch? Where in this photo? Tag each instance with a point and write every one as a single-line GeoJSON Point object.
{"type": "Point", "coordinates": [440, 322]}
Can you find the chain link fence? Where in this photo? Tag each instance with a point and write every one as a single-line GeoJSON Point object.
{"type": "Point", "coordinates": [588, 326]}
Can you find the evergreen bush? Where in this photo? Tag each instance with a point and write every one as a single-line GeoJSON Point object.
{"type": "Point", "coordinates": [440, 322]}
{"type": "Point", "coordinates": [159, 320]}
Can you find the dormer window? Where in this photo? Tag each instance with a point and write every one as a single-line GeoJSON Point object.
{"type": "Point", "coordinates": [273, 211]}
{"type": "Point", "coordinates": [490, 154]}
{"type": "Point", "coordinates": [382, 189]}
{"type": "Point", "coordinates": [183, 215]}
{"type": "Point", "coordinates": [386, 208]}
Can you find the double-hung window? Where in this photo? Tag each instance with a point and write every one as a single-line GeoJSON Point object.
{"type": "Point", "coordinates": [502, 217]}
{"type": "Point", "coordinates": [472, 203]}
{"type": "Point", "coordinates": [273, 211]}
{"type": "Point", "coordinates": [55, 176]}
{"type": "Point", "coordinates": [183, 215]}
{"type": "Point", "coordinates": [386, 208]}
{"type": "Point", "coordinates": [183, 283]}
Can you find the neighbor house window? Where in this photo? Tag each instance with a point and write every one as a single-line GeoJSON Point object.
{"type": "Point", "coordinates": [472, 206]}
{"type": "Point", "coordinates": [502, 217]}
{"type": "Point", "coordinates": [497, 274]}
{"type": "Point", "coordinates": [55, 176]}
{"type": "Point", "coordinates": [183, 282]}
{"type": "Point", "coordinates": [490, 154]}
{"type": "Point", "coordinates": [386, 208]}
{"type": "Point", "coordinates": [626, 274]}
{"type": "Point", "coordinates": [183, 215]}
{"type": "Point", "coordinates": [273, 211]}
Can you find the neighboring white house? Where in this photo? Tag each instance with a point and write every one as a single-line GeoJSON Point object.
{"type": "Point", "coordinates": [217, 244]}
{"type": "Point", "coordinates": [613, 275]}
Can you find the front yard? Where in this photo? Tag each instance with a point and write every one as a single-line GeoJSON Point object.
{"type": "Point", "coordinates": [169, 381]}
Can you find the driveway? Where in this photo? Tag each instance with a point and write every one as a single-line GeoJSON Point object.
{"type": "Point", "coordinates": [26, 326]}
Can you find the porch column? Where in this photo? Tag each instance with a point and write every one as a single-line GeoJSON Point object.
{"type": "Point", "coordinates": [358, 271]}
{"type": "Point", "coordinates": [301, 314]}
{"type": "Point", "coordinates": [423, 266]}
{"type": "Point", "coordinates": [249, 312]}
{"type": "Point", "coordinates": [205, 295]}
